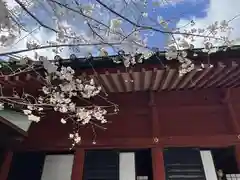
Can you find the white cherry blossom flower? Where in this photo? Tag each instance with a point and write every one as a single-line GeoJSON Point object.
{"type": "Point", "coordinates": [145, 14]}
{"type": "Point", "coordinates": [63, 121]}
{"type": "Point", "coordinates": [1, 106]}
{"type": "Point", "coordinates": [30, 107]}
{"type": "Point", "coordinates": [27, 112]}
{"type": "Point", "coordinates": [71, 136]}
{"type": "Point", "coordinates": [33, 118]}
{"type": "Point", "coordinates": [45, 90]}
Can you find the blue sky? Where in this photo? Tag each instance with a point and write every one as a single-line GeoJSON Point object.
{"type": "Point", "coordinates": [183, 10]}
{"type": "Point", "coordinates": [203, 12]}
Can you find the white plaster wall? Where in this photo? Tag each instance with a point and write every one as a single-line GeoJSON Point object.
{"type": "Point", "coordinates": [127, 166]}
{"type": "Point", "coordinates": [208, 165]}
{"type": "Point", "coordinates": [57, 167]}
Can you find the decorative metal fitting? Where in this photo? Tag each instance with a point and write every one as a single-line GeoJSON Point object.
{"type": "Point", "coordinates": [238, 136]}
{"type": "Point", "coordinates": [155, 140]}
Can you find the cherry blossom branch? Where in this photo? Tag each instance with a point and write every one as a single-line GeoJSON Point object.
{"type": "Point", "coordinates": [235, 17]}
{"type": "Point", "coordinates": [79, 12]}
{"type": "Point", "coordinates": [14, 100]}
{"type": "Point", "coordinates": [149, 27]}
{"type": "Point", "coordinates": [88, 17]}
{"type": "Point", "coordinates": [19, 71]}
{"type": "Point", "coordinates": [18, 100]}
{"type": "Point", "coordinates": [92, 29]}
{"type": "Point", "coordinates": [29, 33]}
{"type": "Point", "coordinates": [33, 16]}
{"type": "Point", "coordinates": [38, 21]}
{"type": "Point", "coordinates": [58, 45]}
{"type": "Point", "coordinates": [128, 20]}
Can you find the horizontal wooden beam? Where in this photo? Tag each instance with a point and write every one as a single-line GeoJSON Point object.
{"type": "Point", "coordinates": [99, 144]}
{"type": "Point", "coordinates": [130, 109]}
{"type": "Point", "coordinates": [221, 140]}
{"type": "Point", "coordinates": [201, 141]}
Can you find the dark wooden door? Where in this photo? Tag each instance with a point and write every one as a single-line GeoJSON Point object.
{"type": "Point", "coordinates": [101, 165]}
{"type": "Point", "coordinates": [183, 163]}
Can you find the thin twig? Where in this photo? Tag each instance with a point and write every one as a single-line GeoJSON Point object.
{"type": "Point", "coordinates": [14, 100]}
{"type": "Point", "coordinates": [29, 33]}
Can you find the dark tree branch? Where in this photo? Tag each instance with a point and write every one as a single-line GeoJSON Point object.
{"type": "Point", "coordinates": [79, 12]}
{"type": "Point", "coordinates": [59, 45]}
{"type": "Point", "coordinates": [149, 27]}
{"type": "Point", "coordinates": [37, 20]}
{"type": "Point", "coordinates": [34, 17]}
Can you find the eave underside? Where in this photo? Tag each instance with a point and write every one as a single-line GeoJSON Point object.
{"type": "Point", "coordinates": [145, 78]}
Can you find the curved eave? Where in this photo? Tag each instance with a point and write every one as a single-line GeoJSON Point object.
{"type": "Point", "coordinates": [155, 74]}
{"type": "Point", "coordinates": [10, 134]}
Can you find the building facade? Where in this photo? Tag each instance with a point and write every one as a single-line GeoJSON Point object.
{"type": "Point", "coordinates": [168, 127]}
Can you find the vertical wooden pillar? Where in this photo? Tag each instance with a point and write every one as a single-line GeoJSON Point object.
{"type": "Point", "coordinates": [158, 164]}
{"type": "Point", "coordinates": [5, 168]}
{"type": "Point", "coordinates": [155, 119]}
{"type": "Point", "coordinates": [237, 155]}
{"type": "Point", "coordinates": [233, 119]}
{"type": "Point", "coordinates": [157, 152]}
{"type": "Point", "coordinates": [78, 164]}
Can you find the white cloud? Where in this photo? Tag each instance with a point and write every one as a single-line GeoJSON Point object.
{"type": "Point", "coordinates": [169, 3]}
{"type": "Point", "coordinates": [218, 10]}
{"type": "Point", "coordinates": [40, 36]}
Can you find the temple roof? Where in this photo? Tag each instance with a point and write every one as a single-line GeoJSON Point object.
{"type": "Point", "coordinates": [215, 70]}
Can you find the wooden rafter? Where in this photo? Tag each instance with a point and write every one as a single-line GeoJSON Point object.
{"type": "Point", "coordinates": [111, 81]}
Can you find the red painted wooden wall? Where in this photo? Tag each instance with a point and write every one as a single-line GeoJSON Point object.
{"type": "Point", "coordinates": [180, 116]}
